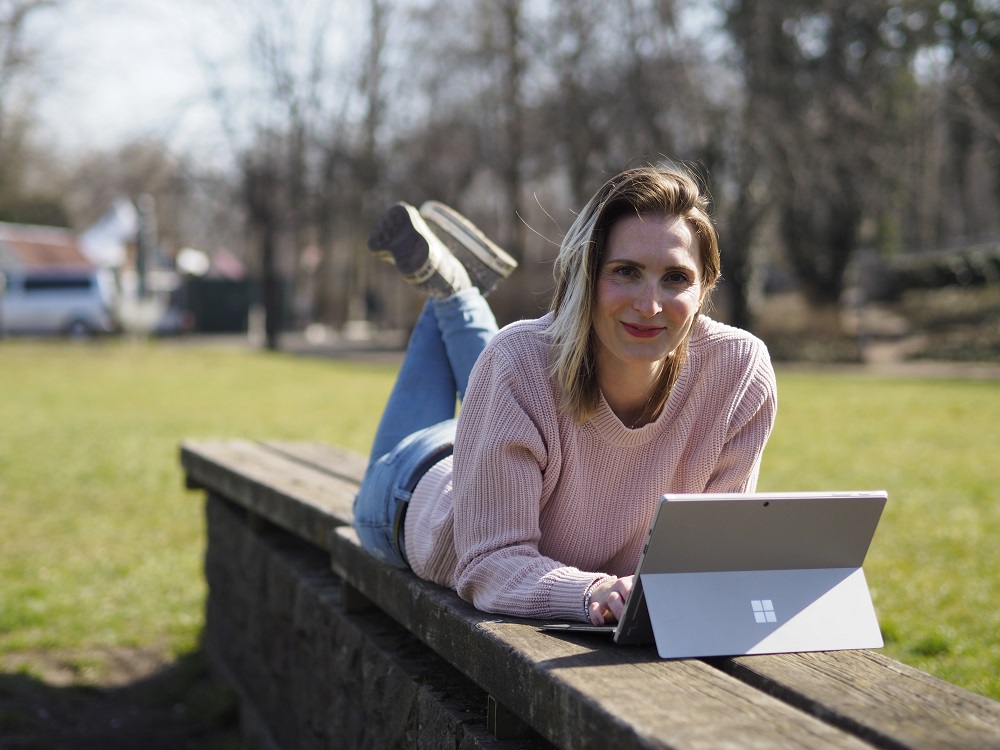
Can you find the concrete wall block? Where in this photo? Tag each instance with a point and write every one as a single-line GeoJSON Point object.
{"type": "Point", "coordinates": [436, 733]}
{"type": "Point", "coordinates": [315, 676]}
{"type": "Point", "coordinates": [391, 696]}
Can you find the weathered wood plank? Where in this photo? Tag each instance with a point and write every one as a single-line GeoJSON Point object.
{"type": "Point", "coordinates": [875, 697]}
{"type": "Point", "coordinates": [329, 459]}
{"type": "Point", "coordinates": [300, 499]}
{"type": "Point", "coordinates": [582, 691]}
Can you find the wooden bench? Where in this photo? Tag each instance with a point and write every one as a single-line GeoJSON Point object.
{"type": "Point", "coordinates": [563, 691]}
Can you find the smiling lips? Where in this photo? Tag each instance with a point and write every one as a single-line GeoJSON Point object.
{"type": "Point", "coordinates": [641, 332]}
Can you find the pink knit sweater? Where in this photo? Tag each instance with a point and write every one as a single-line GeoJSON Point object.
{"type": "Point", "coordinates": [533, 507]}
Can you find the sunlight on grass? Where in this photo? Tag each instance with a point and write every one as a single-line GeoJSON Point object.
{"type": "Point", "coordinates": [102, 546]}
{"type": "Point", "coordinates": [934, 561]}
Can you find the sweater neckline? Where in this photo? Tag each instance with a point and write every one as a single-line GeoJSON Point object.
{"type": "Point", "coordinates": [612, 429]}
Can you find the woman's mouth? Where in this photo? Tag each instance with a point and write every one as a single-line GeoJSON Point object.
{"type": "Point", "coordinates": [641, 332]}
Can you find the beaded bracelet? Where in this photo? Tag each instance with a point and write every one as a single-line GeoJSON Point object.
{"type": "Point", "coordinates": [587, 595]}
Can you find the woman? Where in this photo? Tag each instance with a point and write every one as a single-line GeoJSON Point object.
{"type": "Point", "coordinates": [538, 501]}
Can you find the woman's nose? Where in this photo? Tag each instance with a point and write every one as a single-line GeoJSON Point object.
{"type": "Point", "coordinates": [647, 301]}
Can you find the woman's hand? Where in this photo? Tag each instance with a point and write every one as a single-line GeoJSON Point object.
{"type": "Point", "coordinates": [607, 600]}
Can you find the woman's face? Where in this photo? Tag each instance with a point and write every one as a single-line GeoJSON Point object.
{"type": "Point", "coordinates": [648, 292]}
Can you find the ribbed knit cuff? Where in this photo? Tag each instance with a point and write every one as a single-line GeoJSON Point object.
{"type": "Point", "coordinates": [568, 587]}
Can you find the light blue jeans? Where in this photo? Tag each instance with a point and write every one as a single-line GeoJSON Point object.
{"type": "Point", "coordinates": [417, 428]}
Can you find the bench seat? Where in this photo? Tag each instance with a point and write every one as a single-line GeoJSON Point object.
{"type": "Point", "coordinates": [579, 690]}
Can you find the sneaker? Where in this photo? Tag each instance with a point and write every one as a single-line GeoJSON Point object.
{"type": "Point", "coordinates": [402, 237]}
{"type": "Point", "coordinates": [486, 263]}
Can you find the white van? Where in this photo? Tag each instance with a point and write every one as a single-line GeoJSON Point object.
{"type": "Point", "coordinates": [77, 301]}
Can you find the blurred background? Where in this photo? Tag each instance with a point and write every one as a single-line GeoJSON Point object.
{"type": "Point", "coordinates": [205, 172]}
{"type": "Point", "coordinates": [218, 164]}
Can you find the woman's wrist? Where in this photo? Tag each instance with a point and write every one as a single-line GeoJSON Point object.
{"type": "Point", "coordinates": [589, 593]}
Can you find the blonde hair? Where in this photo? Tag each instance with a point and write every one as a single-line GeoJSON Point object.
{"type": "Point", "coordinates": [640, 191]}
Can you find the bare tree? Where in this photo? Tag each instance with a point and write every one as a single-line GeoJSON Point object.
{"type": "Point", "coordinates": [284, 135]}
{"type": "Point", "coordinates": [968, 35]}
{"type": "Point", "coordinates": [511, 53]}
{"type": "Point", "coordinates": [621, 82]}
{"type": "Point", "coordinates": [809, 115]}
{"type": "Point", "coordinates": [473, 86]}
{"type": "Point", "coordinates": [581, 135]}
{"type": "Point", "coordinates": [261, 190]}
{"type": "Point", "coordinates": [19, 65]}
{"type": "Point", "coordinates": [830, 78]}
{"type": "Point", "coordinates": [16, 58]}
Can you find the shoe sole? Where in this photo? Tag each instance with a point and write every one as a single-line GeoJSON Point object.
{"type": "Point", "coordinates": [399, 227]}
{"type": "Point", "coordinates": [470, 238]}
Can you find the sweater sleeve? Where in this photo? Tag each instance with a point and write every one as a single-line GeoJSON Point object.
{"type": "Point", "coordinates": [500, 458]}
{"type": "Point", "coordinates": [750, 426]}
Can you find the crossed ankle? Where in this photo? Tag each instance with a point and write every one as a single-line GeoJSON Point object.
{"type": "Point", "coordinates": [402, 237]}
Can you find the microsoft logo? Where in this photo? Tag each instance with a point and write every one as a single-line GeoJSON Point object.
{"type": "Point", "coordinates": [763, 610]}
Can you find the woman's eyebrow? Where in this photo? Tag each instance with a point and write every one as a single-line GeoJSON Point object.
{"type": "Point", "coordinates": [625, 261]}
{"type": "Point", "coordinates": [639, 264]}
{"type": "Point", "coordinates": [683, 267]}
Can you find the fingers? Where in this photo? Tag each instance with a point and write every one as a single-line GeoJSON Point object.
{"type": "Point", "coordinates": [607, 602]}
{"type": "Point", "coordinates": [598, 610]}
{"type": "Point", "coordinates": [625, 585]}
{"type": "Point", "coordinates": [601, 615]}
{"type": "Point", "coordinates": [616, 603]}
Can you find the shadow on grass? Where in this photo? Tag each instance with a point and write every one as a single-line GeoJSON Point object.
{"type": "Point", "coordinates": [181, 707]}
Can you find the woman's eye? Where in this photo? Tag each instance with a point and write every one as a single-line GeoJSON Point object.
{"type": "Point", "coordinates": [625, 271]}
{"type": "Point", "coordinates": [677, 277]}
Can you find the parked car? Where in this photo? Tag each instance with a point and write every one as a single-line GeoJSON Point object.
{"type": "Point", "coordinates": [64, 301]}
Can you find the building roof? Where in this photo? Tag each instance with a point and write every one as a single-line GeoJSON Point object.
{"type": "Point", "coordinates": [36, 246]}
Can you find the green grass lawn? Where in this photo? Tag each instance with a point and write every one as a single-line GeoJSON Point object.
{"type": "Point", "coordinates": [934, 565]}
{"type": "Point", "coordinates": [101, 546]}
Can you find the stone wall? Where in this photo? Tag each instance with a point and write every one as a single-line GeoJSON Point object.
{"type": "Point", "coordinates": [309, 673]}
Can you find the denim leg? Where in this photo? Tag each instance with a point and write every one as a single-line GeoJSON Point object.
{"type": "Point", "coordinates": [424, 392]}
{"type": "Point", "coordinates": [448, 338]}
{"type": "Point", "coordinates": [418, 425]}
{"type": "Point", "coordinates": [466, 323]}
{"type": "Point", "coordinates": [381, 502]}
